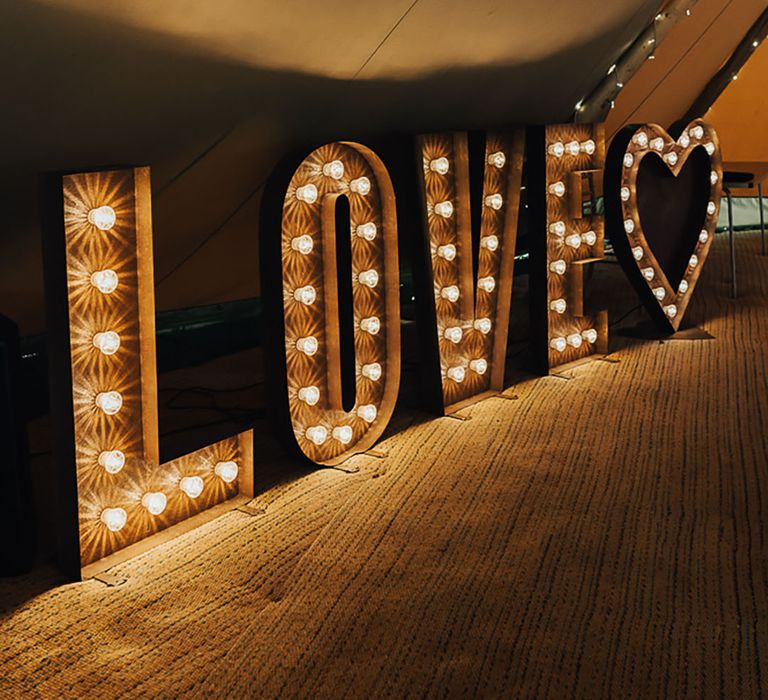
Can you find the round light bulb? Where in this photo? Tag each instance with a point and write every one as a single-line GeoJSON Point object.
{"type": "Point", "coordinates": [657, 144]}
{"type": "Point", "coordinates": [368, 278]}
{"type": "Point", "coordinates": [192, 486]}
{"type": "Point", "coordinates": [109, 401]}
{"type": "Point", "coordinates": [659, 293]}
{"type": "Point", "coordinates": [587, 147]}
{"type": "Point", "coordinates": [711, 208]}
{"type": "Point", "coordinates": [648, 272]}
{"type": "Point", "coordinates": [303, 244]}
{"type": "Point", "coordinates": [558, 305]}
{"type": "Point", "coordinates": [670, 310]}
{"type": "Point", "coordinates": [671, 157]}
{"type": "Point", "coordinates": [155, 502]}
{"type": "Point", "coordinates": [590, 335]}
{"type": "Point", "coordinates": [367, 412]}
{"type": "Point", "coordinates": [693, 261]}
{"type": "Point", "coordinates": [317, 434]}
{"type": "Point", "coordinates": [573, 241]}
{"type": "Point", "coordinates": [444, 209]}
{"type": "Point", "coordinates": [629, 225]}
{"type": "Point", "coordinates": [628, 160]}
{"type": "Point", "coordinates": [334, 169]}
{"type": "Point", "coordinates": [556, 149]}
{"type": "Point", "coordinates": [697, 132]}
{"type": "Point", "coordinates": [360, 185]}
{"type": "Point", "coordinates": [557, 189]}
{"type": "Point", "coordinates": [637, 253]}
{"type": "Point", "coordinates": [574, 340]}
{"type": "Point", "coordinates": [483, 325]}
{"type": "Point", "coordinates": [709, 148]}
{"type": "Point", "coordinates": [624, 194]}
{"type": "Point", "coordinates": [589, 237]}
{"type": "Point", "coordinates": [713, 177]}
{"type": "Point", "coordinates": [453, 333]}
{"type": "Point", "coordinates": [112, 461]}
{"type": "Point", "coordinates": [497, 159]}
{"type": "Point", "coordinates": [307, 194]}
{"type": "Point", "coordinates": [226, 471]}
{"type": "Point", "coordinates": [479, 366]}
{"type": "Point", "coordinates": [684, 140]}
{"type": "Point", "coordinates": [641, 139]}
{"type": "Point", "coordinates": [310, 395]}
{"type": "Point", "coordinates": [456, 374]}
{"type": "Point", "coordinates": [107, 341]}
{"type": "Point", "coordinates": [105, 281]}
{"type": "Point", "coordinates": [489, 242]}
{"type": "Point", "coordinates": [557, 228]}
{"type": "Point", "coordinates": [366, 231]}
{"type": "Point", "coordinates": [342, 433]}
{"type": "Point", "coordinates": [448, 252]}
{"type": "Point", "coordinates": [703, 236]}
{"type": "Point", "coordinates": [558, 267]}
{"type": "Point", "coordinates": [558, 344]}
{"type": "Point", "coordinates": [371, 325]}
{"type": "Point", "coordinates": [450, 293]}
{"type": "Point", "coordinates": [305, 295]}
{"type": "Point", "coordinates": [308, 345]}
{"type": "Point", "coordinates": [103, 218]}
{"type": "Point", "coordinates": [494, 201]}
{"type": "Point", "coordinates": [683, 287]}
{"type": "Point", "coordinates": [114, 518]}
{"type": "Point", "coordinates": [487, 284]}
{"type": "Point", "coordinates": [573, 148]}
{"type": "Point", "coordinates": [439, 166]}
{"type": "Point", "coordinates": [372, 371]}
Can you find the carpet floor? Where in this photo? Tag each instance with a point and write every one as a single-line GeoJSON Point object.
{"type": "Point", "coordinates": [600, 534]}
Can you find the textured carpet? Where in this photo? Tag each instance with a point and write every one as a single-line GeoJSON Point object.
{"type": "Point", "coordinates": [602, 535]}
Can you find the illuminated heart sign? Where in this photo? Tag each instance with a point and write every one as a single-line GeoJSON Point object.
{"type": "Point", "coordinates": [662, 203]}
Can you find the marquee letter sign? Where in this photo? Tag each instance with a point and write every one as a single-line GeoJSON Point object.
{"type": "Point", "coordinates": [471, 316]}
{"type": "Point", "coordinates": [662, 205]}
{"type": "Point", "coordinates": [100, 291]}
{"type": "Point", "coordinates": [565, 164]}
{"type": "Point", "coordinates": [301, 291]}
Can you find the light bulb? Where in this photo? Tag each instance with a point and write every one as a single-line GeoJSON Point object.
{"type": "Point", "coordinates": [302, 244]}
{"type": "Point", "coordinates": [453, 333]}
{"type": "Point", "coordinates": [558, 267]}
{"type": "Point", "coordinates": [684, 140]}
{"type": "Point", "coordinates": [703, 236]}
{"type": "Point", "coordinates": [713, 178]}
{"type": "Point", "coordinates": [334, 169]}
{"type": "Point", "coordinates": [558, 344]}
{"type": "Point", "coordinates": [479, 366]}
{"type": "Point", "coordinates": [711, 208]}
{"type": "Point", "coordinates": [366, 231]}
{"type": "Point", "coordinates": [709, 148]}
{"type": "Point", "coordinates": [558, 228]}
{"type": "Point", "coordinates": [448, 252]}
{"type": "Point", "coordinates": [108, 342]}
{"type": "Point", "coordinates": [114, 518]}
{"type": "Point", "coordinates": [497, 159]}
{"type": "Point", "coordinates": [637, 253]}
{"type": "Point", "coordinates": [573, 241]}
{"type": "Point", "coordinates": [370, 325]}
{"type": "Point", "coordinates": [494, 201]}
{"type": "Point", "coordinates": [444, 209]}
{"type": "Point", "coordinates": [368, 278]}
{"type": "Point", "coordinates": [439, 166]}
{"type": "Point", "coordinates": [589, 237]}
{"type": "Point", "coordinates": [192, 486]}
{"type": "Point", "coordinates": [641, 139]}
{"type": "Point", "coordinates": [487, 284]}
{"type": "Point", "coordinates": [657, 144]}
{"type": "Point", "coordinates": [624, 194]}
{"type": "Point", "coordinates": [360, 185]}
{"type": "Point", "coordinates": [307, 194]}
{"type": "Point", "coordinates": [574, 340]}
{"type": "Point", "coordinates": [557, 189]}
{"type": "Point", "coordinates": [489, 243]}
{"type": "Point", "coordinates": [683, 287]}
{"type": "Point", "coordinates": [450, 293]}
{"type": "Point", "coordinates": [456, 374]}
{"type": "Point", "coordinates": [306, 295]}
{"type": "Point", "coordinates": [103, 218]}
{"type": "Point", "coordinates": [317, 434]}
{"type": "Point", "coordinates": [587, 147]}
{"type": "Point", "coordinates": [372, 371]}
{"type": "Point", "coordinates": [590, 335]}
{"type": "Point", "coordinates": [310, 395]}
{"type": "Point", "coordinates": [558, 305]}
{"type": "Point", "coordinates": [670, 157]}
{"type": "Point", "coordinates": [697, 132]}
{"type": "Point", "coordinates": [109, 401]}
{"type": "Point", "coordinates": [648, 272]}
{"type": "Point", "coordinates": [659, 293]}
{"type": "Point", "coordinates": [307, 345]}
{"type": "Point", "coordinates": [628, 160]}
{"type": "Point", "coordinates": [154, 502]}
{"type": "Point", "coordinates": [105, 281]}
{"type": "Point", "coordinates": [670, 310]}
{"type": "Point", "coordinates": [367, 412]}
{"type": "Point", "coordinates": [483, 325]}
{"type": "Point", "coordinates": [629, 225]}
{"type": "Point", "coordinates": [112, 461]}
{"type": "Point", "coordinates": [342, 433]}
{"type": "Point", "coordinates": [573, 148]}
{"type": "Point", "coordinates": [556, 149]}
{"type": "Point", "coordinates": [226, 471]}
{"type": "Point", "coordinates": [693, 261]}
